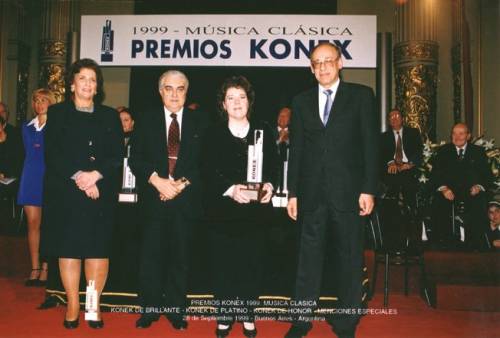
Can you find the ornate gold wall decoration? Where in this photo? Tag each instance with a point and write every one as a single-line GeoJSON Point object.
{"type": "Point", "coordinates": [416, 82]}
{"type": "Point", "coordinates": [52, 48]}
{"type": "Point", "coordinates": [52, 77]}
{"type": "Point", "coordinates": [52, 66]}
{"type": "Point", "coordinates": [411, 50]}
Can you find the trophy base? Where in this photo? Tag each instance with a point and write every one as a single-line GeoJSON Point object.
{"type": "Point", "coordinates": [127, 197]}
{"type": "Point", "coordinates": [280, 200]}
{"type": "Point", "coordinates": [91, 316]}
{"type": "Point", "coordinates": [253, 191]}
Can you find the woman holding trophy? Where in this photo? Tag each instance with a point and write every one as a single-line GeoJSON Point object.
{"type": "Point", "coordinates": [238, 162]}
{"type": "Point", "coordinates": [84, 147]}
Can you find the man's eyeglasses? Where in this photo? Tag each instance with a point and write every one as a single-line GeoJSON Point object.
{"type": "Point", "coordinates": [329, 63]}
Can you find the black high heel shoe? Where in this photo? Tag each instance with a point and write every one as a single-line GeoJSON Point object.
{"type": "Point", "coordinates": [250, 333]}
{"type": "Point", "coordinates": [34, 281]}
{"type": "Point", "coordinates": [222, 333]}
{"type": "Point", "coordinates": [43, 282]}
{"type": "Point", "coordinates": [71, 324]}
{"type": "Point", "coordinates": [96, 324]}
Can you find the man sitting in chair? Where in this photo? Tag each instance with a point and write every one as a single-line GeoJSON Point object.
{"type": "Point", "coordinates": [401, 155]}
{"type": "Point", "coordinates": [461, 177]}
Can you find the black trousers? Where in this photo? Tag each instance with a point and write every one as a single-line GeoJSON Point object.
{"type": "Point", "coordinates": [404, 182]}
{"type": "Point", "coordinates": [164, 261]}
{"type": "Point", "coordinates": [471, 209]}
{"type": "Point", "coordinates": [346, 241]}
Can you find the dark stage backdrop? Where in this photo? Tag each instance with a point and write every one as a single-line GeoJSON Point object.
{"type": "Point", "coordinates": [274, 86]}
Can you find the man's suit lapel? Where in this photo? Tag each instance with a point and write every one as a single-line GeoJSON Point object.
{"type": "Point", "coordinates": [405, 138]}
{"type": "Point", "coordinates": [339, 103]}
{"type": "Point", "coordinates": [392, 140]}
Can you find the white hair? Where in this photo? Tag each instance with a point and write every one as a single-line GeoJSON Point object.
{"type": "Point", "coordinates": [172, 72]}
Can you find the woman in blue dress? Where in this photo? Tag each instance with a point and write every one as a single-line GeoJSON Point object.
{"type": "Point", "coordinates": [31, 184]}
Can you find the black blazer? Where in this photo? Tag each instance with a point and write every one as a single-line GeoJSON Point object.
{"type": "Point", "coordinates": [412, 146]}
{"type": "Point", "coordinates": [339, 160]}
{"type": "Point", "coordinates": [68, 150]}
{"type": "Point", "coordinates": [461, 175]}
{"type": "Point", "coordinates": [64, 156]}
{"type": "Point", "coordinates": [149, 154]}
{"type": "Point", "coordinates": [224, 163]}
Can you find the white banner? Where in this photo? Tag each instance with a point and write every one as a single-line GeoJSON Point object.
{"type": "Point", "coordinates": [225, 40]}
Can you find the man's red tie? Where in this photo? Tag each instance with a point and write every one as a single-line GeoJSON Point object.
{"type": "Point", "coordinates": [399, 150]}
{"type": "Point", "coordinates": [173, 144]}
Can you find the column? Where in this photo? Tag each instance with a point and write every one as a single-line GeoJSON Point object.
{"type": "Point", "coordinates": [416, 64]}
{"type": "Point", "coordinates": [59, 18]}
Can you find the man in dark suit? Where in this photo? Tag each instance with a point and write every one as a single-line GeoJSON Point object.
{"type": "Point", "coordinates": [461, 178]}
{"type": "Point", "coordinates": [282, 143]}
{"type": "Point", "coordinates": [164, 160]}
{"type": "Point", "coordinates": [332, 183]}
{"type": "Point", "coordinates": [401, 155]}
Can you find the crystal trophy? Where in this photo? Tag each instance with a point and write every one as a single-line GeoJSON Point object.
{"type": "Point", "coordinates": [91, 302]}
{"type": "Point", "coordinates": [253, 187]}
{"type": "Point", "coordinates": [128, 194]}
{"type": "Point", "coordinates": [280, 198]}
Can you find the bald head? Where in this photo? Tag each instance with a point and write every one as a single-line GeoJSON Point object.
{"type": "Point", "coordinates": [284, 117]}
{"type": "Point", "coordinates": [460, 134]}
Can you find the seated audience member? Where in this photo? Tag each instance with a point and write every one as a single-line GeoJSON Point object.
{"type": "Point", "coordinates": [401, 155]}
{"type": "Point", "coordinates": [9, 128]}
{"type": "Point", "coordinates": [493, 233]}
{"type": "Point", "coordinates": [461, 177]}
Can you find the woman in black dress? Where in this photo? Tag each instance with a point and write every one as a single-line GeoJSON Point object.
{"type": "Point", "coordinates": [237, 225]}
{"type": "Point", "coordinates": [84, 146]}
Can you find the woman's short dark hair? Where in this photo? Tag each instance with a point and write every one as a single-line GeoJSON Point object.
{"type": "Point", "coordinates": [238, 81]}
{"type": "Point", "coordinates": [75, 68]}
{"type": "Point", "coordinates": [127, 111]}
{"type": "Point", "coordinates": [2, 121]}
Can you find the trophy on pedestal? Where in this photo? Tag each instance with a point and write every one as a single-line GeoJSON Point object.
{"type": "Point", "coordinates": [128, 194]}
{"type": "Point", "coordinates": [254, 185]}
{"type": "Point", "coordinates": [280, 198]}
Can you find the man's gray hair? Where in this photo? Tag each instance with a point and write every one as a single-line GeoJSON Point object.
{"type": "Point", "coordinates": [172, 72]}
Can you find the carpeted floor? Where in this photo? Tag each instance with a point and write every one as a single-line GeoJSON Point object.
{"type": "Point", "coordinates": [411, 317]}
